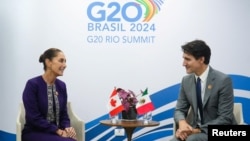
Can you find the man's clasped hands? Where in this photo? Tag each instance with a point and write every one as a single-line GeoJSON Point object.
{"type": "Point", "coordinates": [185, 130]}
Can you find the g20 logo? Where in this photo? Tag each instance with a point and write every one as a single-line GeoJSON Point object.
{"type": "Point", "coordinates": [115, 12]}
{"type": "Point", "coordinates": [101, 15]}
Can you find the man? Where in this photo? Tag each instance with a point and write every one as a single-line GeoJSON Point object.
{"type": "Point", "coordinates": [216, 100]}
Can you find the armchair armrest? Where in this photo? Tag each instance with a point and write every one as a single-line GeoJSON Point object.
{"type": "Point", "coordinates": [77, 123]}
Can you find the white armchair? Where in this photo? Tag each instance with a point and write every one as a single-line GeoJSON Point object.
{"type": "Point", "coordinates": [238, 113]}
{"type": "Point", "coordinates": [20, 122]}
{"type": "Point", "coordinates": [76, 122]}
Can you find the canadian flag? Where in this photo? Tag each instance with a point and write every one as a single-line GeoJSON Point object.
{"type": "Point", "coordinates": [144, 104]}
{"type": "Point", "coordinates": [115, 105]}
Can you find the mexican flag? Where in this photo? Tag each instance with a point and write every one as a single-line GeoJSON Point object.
{"type": "Point", "coordinates": [114, 104]}
{"type": "Point", "coordinates": [144, 104]}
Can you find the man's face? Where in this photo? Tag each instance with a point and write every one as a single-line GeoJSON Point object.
{"type": "Point", "coordinates": [191, 64]}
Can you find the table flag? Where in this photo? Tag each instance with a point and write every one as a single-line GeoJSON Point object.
{"type": "Point", "coordinates": [115, 106]}
{"type": "Point", "coordinates": [145, 104]}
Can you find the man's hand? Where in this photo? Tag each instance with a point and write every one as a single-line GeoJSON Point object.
{"type": "Point", "coordinates": [184, 130]}
{"type": "Point", "coordinates": [183, 133]}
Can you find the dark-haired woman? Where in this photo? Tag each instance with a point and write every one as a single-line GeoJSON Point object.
{"type": "Point", "coordinates": [45, 102]}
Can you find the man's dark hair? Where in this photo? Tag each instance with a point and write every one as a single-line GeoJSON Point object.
{"type": "Point", "coordinates": [198, 49]}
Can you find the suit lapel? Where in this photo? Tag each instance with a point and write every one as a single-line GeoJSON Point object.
{"type": "Point", "coordinates": [209, 86]}
{"type": "Point", "coordinates": [193, 92]}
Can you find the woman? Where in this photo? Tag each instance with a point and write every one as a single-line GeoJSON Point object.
{"type": "Point", "coordinates": [45, 102]}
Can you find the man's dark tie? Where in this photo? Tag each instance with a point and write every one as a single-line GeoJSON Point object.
{"type": "Point", "coordinates": [199, 100]}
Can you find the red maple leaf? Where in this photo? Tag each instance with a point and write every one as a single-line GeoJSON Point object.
{"type": "Point", "coordinates": [113, 102]}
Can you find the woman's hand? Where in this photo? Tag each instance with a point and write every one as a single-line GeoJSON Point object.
{"type": "Point", "coordinates": [62, 133]}
{"type": "Point", "coordinates": [70, 131]}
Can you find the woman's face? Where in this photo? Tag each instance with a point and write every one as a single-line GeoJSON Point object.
{"type": "Point", "coordinates": [57, 64]}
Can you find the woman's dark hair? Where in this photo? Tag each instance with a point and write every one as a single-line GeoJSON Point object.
{"type": "Point", "coordinates": [48, 54]}
{"type": "Point", "coordinates": [198, 49]}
